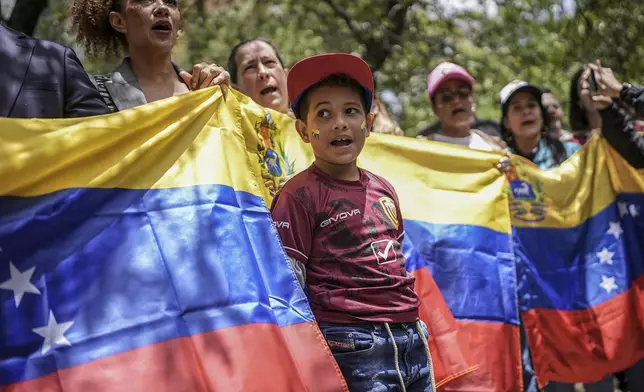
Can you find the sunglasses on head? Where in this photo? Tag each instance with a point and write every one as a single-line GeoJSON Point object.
{"type": "Point", "coordinates": [450, 96]}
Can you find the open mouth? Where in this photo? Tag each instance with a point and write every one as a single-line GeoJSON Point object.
{"type": "Point", "coordinates": [268, 90]}
{"type": "Point", "coordinates": [528, 123]}
{"type": "Point", "coordinates": [342, 141]}
{"type": "Point", "coordinates": [162, 25]}
{"type": "Point", "coordinates": [458, 111]}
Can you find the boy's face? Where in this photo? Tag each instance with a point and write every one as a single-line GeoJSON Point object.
{"type": "Point", "coordinates": [336, 124]}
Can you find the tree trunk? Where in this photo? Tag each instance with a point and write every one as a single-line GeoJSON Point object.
{"type": "Point", "coordinates": [25, 14]}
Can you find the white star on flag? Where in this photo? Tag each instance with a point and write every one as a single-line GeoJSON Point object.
{"type": "Point", "coordinates": [615, 229]}
{"type": "Point", "coordinates": [608, 283]}
{"type": "Point", "coordinates": [53, 333]}
{"type": "Point", "coordinates": [605, 256]}
{"type": "Point", "coordinates": [623, 208]}
{"type": "Point", "coordinates": [633, 210]}
{"type": "Point", "coordinates": [20, 283]}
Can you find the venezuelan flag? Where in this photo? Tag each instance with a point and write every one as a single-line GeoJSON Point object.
{"type": "Point", "coordinates": [137, 254]}
{"type": "Point", "coordinates": [458, 241]}
{"type": "Point", "coordinates": [579, 241]}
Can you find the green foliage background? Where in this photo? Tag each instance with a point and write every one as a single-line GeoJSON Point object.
{"type": "Point", "coordinates": [540, 41]}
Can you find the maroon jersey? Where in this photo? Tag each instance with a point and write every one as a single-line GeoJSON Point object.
{"type": "Point", "coordinates": [348, 234]}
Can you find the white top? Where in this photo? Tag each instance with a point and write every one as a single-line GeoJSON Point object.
{"type": "Point", "coordinates": [472, 141]}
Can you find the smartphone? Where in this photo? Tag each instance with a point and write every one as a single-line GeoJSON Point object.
{"type": "Point", "coordinates": [592, 82]}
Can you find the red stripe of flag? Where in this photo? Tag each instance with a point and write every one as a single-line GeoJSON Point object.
{"type": "Point", "coordinates": [586, 345]}
{"type": "Point", "coordinates": [255, 357]}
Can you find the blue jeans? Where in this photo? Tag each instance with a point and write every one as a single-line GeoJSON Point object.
{"type": "Point", "coordinates": [365, 354]}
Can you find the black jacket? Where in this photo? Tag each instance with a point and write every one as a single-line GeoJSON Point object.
{"type": "Point", "coordinates": [43, 79]}
{"type": "Point", "coordinates": [618, 125]}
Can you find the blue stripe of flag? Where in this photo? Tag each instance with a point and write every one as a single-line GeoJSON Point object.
{"type": "Point", "coordinates": [473, 266]}
{"type": "Point", "coordinates": [562, 268]}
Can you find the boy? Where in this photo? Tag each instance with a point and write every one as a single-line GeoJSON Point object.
{"type": "Point", "coordinates": [342, 229]}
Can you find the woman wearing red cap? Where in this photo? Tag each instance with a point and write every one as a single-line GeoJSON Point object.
{"type": "Point", "coordinates": [450, 89]}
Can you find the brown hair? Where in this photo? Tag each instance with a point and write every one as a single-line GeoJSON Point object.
{"type": "Point", "coordinates": [90, 19]}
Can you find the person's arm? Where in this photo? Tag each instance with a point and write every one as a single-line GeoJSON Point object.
{"type": "Point", "coordinates": [618, 123]}
{"type": "Point", "coordinates": [618, 127]}
{"type": "Point", "coordinates": [633, 97]}
{"type": "Point", "coordinates": [81, 97]}
{"type": "Point", "coordinates": [295, 226]}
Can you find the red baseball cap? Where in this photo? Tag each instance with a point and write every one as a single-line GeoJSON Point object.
{"type": "Point", "coordinates": [311, 70]}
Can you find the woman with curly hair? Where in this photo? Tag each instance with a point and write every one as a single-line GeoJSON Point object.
{"type": "Point", "coordinates": [147, 30]}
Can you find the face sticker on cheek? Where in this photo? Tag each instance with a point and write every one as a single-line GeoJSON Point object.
{"type": "Point", "coordinates": [316, 133]}
{"type": "Point", "coordinates": [363, 126]}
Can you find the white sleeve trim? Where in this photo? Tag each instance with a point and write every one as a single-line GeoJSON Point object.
{"type": "Point", "coordinates": [297, 251]}
{"type": "Point", "coordinates": [400, 236]}
{"type": "Point", "coordinates": [300, 270]}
